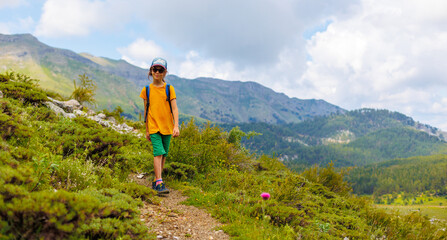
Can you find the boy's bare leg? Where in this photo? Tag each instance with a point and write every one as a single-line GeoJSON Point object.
{"type": "Point", "coordinates": [158, 166]}
{"type": "Point", "coordinates": [162, 164]}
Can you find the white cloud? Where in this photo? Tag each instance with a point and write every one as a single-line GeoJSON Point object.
{"type": "Point", "coordinates": [81, 17]}
{"type": "Point", "coordinates": [389, 55]}
{"type": "Point", "coordinates": [248, 33]}
{"type": "Point", "coordinates": [12, 3]}
{"type": "Point", "coordinates": [70, 17]}
{"type": "Point", "coordinates": [141, 52]}
{"type": "Point", "coordinates": [195, 66]}
{"type": "Point", "coordinates": [22, 25]}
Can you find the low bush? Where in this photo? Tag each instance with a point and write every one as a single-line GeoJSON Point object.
{"type": "Point", "coordinates": [180, 171]}
{"type": "Point", "coordinates": [19, 86]}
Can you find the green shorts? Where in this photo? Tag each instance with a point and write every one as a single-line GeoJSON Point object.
{"type": "Point", "coordinates": [160, 144]}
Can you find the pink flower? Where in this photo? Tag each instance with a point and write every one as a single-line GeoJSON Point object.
{"type": "Point", "coordinates": [265, 196]}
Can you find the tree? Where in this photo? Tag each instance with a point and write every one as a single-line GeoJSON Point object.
{"type": "Point", "coordinates": [85, 90]}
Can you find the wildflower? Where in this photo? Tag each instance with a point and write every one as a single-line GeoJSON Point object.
{"type": "Point", "coordinates": [265, 196]}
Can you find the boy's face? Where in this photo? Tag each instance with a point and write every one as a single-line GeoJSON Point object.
{"type": "Point", "coordinates": [158, 72]}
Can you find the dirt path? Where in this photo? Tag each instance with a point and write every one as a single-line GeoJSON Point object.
{"type": "Point", "coordinates": [173, 220]}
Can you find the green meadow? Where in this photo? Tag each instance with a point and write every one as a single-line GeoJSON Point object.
{"type": "Point", "coordinates": [430, 206]}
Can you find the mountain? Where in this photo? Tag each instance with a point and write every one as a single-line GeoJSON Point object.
{"type": "Point", "coordinates": [119, 84]}
{"type": "Point", "coordinates": [57, 68]}
{"type": "Point", "coordinates": [234, 101]}
{"type": "Point", "coordinates": [354, 138]}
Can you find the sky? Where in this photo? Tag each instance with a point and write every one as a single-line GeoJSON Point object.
{"type": "Point", "coordinates": [352, 53]}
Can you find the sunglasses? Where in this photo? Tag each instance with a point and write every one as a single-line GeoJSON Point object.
{"type": "Point", "coordinates": [160, 70]}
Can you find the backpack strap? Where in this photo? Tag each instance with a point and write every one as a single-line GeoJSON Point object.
{"type": "Point", "coordinates": [148, 89]}
{"type": "Point", "coordinates": [168, 95]}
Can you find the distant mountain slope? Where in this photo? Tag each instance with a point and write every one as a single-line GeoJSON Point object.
{"type": "Point", "coordinates": [355, 138]}
{"type": "Point", "coordinates": [411, 175]}
{"type": "Point", "coordinates": [119, 84]}
{"type": "Point", "coordinates": [234, 101]}
{"type": "Point", "coordinates": [57, 68]}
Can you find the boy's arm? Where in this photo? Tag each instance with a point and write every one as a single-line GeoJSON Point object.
{"type": "Point", "coordinates": [148, 137]}
{"type": "Point", "coordinates": [176, 131]}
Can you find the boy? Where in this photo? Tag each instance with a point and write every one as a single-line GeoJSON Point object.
{"type": "Point", "coordinates": [161, 123]}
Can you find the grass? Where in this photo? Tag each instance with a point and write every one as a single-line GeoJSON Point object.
{"type": "Point", "coordinates": [430, 206]}
{"type": "Point", "coordinates": [432, 212]}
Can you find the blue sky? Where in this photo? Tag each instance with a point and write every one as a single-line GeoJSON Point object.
{"type": "Point", "coordinates": [352, 53]}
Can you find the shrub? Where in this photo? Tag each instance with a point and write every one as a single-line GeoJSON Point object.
{"type": "Point", "coordinates": [85, 91]}
{"type": "Point", "coordinates": [11, 125]}
{"type": "Point", "coordinates": [180, 171]}
{"type": "Point", "coordinates": [137, 191]}
{"type": "Point", "coordinates": [328, 177]}
{"type": "Point", "coordinates": [94, 214]}
{"type": "Point", "coordinates": [19, 86]}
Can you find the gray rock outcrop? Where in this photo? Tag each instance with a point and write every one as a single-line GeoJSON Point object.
{"type": "Point", "coordinates": [73, 109]}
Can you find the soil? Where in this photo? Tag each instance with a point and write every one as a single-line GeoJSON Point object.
{"type": "Point", "coordinates": [173, 220]}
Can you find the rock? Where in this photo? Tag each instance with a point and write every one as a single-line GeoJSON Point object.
{"type": "Point", "coordinates": [55, 108]}
{"type": "Point", "coordinates": [101, 116]}
{"type": "Point", "coordinates": [111, 119]}
{"type": "Point", "coordinates": [74, 104]}
{"type": "Point", "coordinates": [91, 112]}
{"type": "Point", "coordinates": [79, 113]}
{"type": "Point", "coordinates": [70, 115]}
{"type": "Point", "coordinates": [141, 175]}
{"type": "Point", "coordinates": [1, 94]}
{"type": "Point", "coordinates": [68, 106]}
{"type": "Point", "coordinates": [74, 109]}
{"type": "Point", "coordinates": [59, 110]}
{"type": "Point", "coordinates": [104, 123]}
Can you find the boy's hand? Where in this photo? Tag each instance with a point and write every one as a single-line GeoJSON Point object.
{"type": "Point", "coordinates": [148, 136]}
{"type": "Point", "coordinates": [176, 132]}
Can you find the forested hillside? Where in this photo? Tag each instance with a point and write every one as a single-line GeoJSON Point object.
{"type": "Point", "coordinates": [410, 175]}
{"type": "Point", "coordinates": [357, 137]}
{"type": "Point", "coordinates": [68, 178]}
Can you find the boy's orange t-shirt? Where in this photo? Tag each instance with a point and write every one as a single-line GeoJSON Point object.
{"type": "Point", "coordinates": [160, 118]}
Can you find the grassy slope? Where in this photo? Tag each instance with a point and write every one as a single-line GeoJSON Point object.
{"type": "Point", "coordinates": [93, 198]}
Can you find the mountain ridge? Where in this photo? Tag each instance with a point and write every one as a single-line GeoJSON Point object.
{"type": "Point", "coordinates": [119, 84]}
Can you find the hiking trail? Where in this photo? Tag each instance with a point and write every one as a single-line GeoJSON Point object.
{"type": "Point", "coordinates": [173, 220]}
